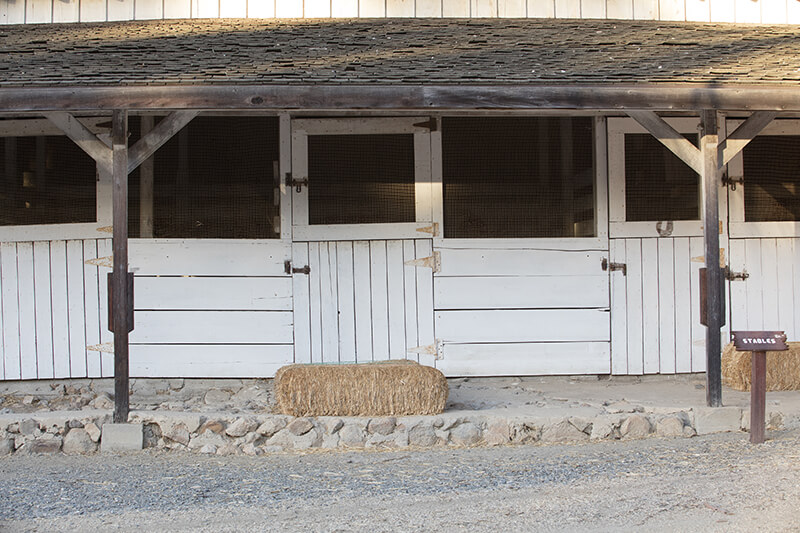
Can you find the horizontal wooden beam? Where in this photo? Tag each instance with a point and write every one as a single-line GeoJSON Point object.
{"type": "Point", "coordinates": [669, 137]}
{"type": "Point", "coordinates": [666, 97]}
{"type": "Point", "coordinates": [746, 132]}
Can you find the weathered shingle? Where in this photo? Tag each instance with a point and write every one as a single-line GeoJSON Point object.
{"type": "Point", "coordinates": [396, 51]}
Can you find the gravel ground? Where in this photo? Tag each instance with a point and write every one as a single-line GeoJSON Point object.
{"type": "Point", "coordinates": [713, 483]}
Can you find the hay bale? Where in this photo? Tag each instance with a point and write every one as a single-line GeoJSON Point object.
{"type": "Point", "coordinates": [783, 368]}
{"type": "Point", "coordinates": [390, 388]}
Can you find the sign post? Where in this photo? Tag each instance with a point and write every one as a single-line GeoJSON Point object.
{"type": "Point", "coordinates": [758, 343]}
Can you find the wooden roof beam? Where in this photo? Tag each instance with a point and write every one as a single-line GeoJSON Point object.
{"type": "Point", "coordinates": [669, 137]}
{"type": "Point", "coordinates": [746, 132]}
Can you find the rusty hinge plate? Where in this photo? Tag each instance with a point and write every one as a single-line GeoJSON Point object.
{"type": "Point", "coordinates": [287, 267]}
{"type": "Point", "coordinates": [605, 265]}
{"type": "Point", "coordinates": [730, 275]}
{"type": "Point", "coordinates": [429, 124]}
{"type": "Point", "coordinates": [433, 262]}
{"type": "Point", "coordinates": [107, 261]}
{"type": "Point", "coordinates": [434, 349]}
{"type": "Point", "coordinates": [433, 229]}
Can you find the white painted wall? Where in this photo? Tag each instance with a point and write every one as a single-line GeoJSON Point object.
{"type": "Point", "coordinates": [741, 11]}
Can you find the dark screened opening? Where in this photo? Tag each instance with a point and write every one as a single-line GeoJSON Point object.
{"type": "Point", "coordinates": [658, 185]}
{"type": "Point", "coordinates": [772, 179]}
{"type": "Point", "coordinates": [514, 177]}
{"type": "Point", "coordinates": [46, 180]}
{"type": "Point", "coordinates": [215, 179]}
{"type": "Point", "coordinates": [361, 179]}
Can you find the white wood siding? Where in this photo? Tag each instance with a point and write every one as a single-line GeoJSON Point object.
{"type": "Point", "coordinates": [743, 11]}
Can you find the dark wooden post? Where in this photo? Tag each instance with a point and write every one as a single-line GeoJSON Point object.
{"type": "Point", "coordinates": [710, 177]}
{"type": "Point", "coordinates": [758, 396]}
{"type": "Point", "coordinates": [119, 281]}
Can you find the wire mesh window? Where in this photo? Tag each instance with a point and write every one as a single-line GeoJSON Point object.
{"type": "Point", "coordinates": [658, 185]}
{"type": "Point", "coordinates": [772, 179]}
{"type": "Point", "coordinates": [514, 177]}
{"type": "Point", "coordinates": [46, 180]}
{"type": "Point", "coordinates": [215, 179]}
{"type": "Point", "coordinates": [361, 179]}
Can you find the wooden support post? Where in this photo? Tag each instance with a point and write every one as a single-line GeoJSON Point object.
{"type": "Point", "coordinates": [119, 146]}
{"type": "Point", "coordinates": [758, 395]}
{"type": "Point", "coordinates": [146, 186]}
{"type": "Point", "coordinates": [710, 179]}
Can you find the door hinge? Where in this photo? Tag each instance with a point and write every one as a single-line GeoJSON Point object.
{"type": "Point", "coordinates": [435, 349]}
{"type": "Point", "coordinates": [605, 265]}
{"type": "Point", "coordinates": [297, 184]}
{"type": "Point", "coordinates": [287, 267]}
{"type": "Point", "coordinates": [107, 261]}
{"type": "Point", "coordinates": [734, 276]}
{"type": "Point", "coordinates": [429, 124]}
{"type": "Point", "coordinates": [433, 262]}
{"type": "Point", "coordinates": [433, 229]}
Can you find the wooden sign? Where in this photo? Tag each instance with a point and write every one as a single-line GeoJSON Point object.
{"type": "Point", "coordinates": [760, 341]}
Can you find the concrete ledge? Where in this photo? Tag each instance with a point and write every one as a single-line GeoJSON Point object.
{"type": "Point", "coordinates": [717, 419]}
{"type": "Point", "coordinates": [122, 438]}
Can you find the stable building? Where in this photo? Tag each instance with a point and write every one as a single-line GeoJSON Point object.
{"type": "Point", "coordinates": [489, 197]}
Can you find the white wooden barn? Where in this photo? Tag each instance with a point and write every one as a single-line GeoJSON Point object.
{"type": "Point", "coordinates": [491, 197]}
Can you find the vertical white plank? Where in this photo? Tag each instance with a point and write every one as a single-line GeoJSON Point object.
{"type": "Point", "coordinates": [796, 283]}
{"type": "Point", "coordinates": [633, 307]}
{"type": "Point", "coordinates": [748, 11]}
{"type": "Point", "coordinates": [568, 9]}
{"type": "Point", "coordinates": [645, 9]}
{"type": "Point", "coordinates": [380, 300]}
{"type": "Point", "coordinates": [363, 300]}
{"type": "Point", "coordinates": [12, 12]}
{"type": "Point", "coordinates": [106, 358]}
{"type": "Point", "coordinates": [650, 305]}
{"type": "Point", "coordinates": [91, 280]}
{"type": "Point", "coordinates": [315, 301]}
{"type": "Point", "coordinates": [619, 334]}
{"type": "Point", "coordinates": [755, 300]}
{"type": "Point", "coordinates": [148, 9]}
{"type": "Point", "coordinates": [329, 302]}
{"type": "Point", "coordinates": [457, 8]}
{"type": "Point", "coordinates": [619, 9]}
{"type": "Point", "coordinates": [204, 9]}
{"type": "Point", "coordinates": [423, 201]}
{"type": "Point", "coordinates": [593, 9]}
{"type": "Point", "coordinates": [11, 341]}
{"type": "Point", "coordinates": [410, 290]}
{"type": "Point", "coordinates": [66, 11]}
{"type": "Point", "coordinates": [683, 305]}
{"type": "Point", "coordinates": [775, 11]}
{"type": "Point", "coordinates": [541, 8]}
{"type": "Point", "coordinates": [738, 300]}
{"type": "Point", "coordinates": [346, 291]}
{"type": "Point", "coordinates": [375, 8]}
{"type": "Point", "coordinates": [77, 315]}
{"type": "Point", "coordinates": [399, 8]}
{"type": "Point", "coordinates": [792, 12]}
{"type": "Point", "coordinates": [425, 328]}
{"type": "Point", "coordinates": [722, 11]}
{"type": "Point", "coordinates": [120, 9]}
{"type": "Point", "coordinates": [512, 8]}
{"type": "Point", "coordinates": [182, 9]}
{"type": "Point", "coordinates": [785, 285]}
{"type": "Point", "coordinates": [696, 249]}
{"type": "Point", "coordinates": [285, 166]}
{"type": "Point", "coordinates": [698, 10]}
{"type": "Point", "coordinates": [396, 299]}
{"type": "Point", "coordinates": [671, 10]}
{"type": "Point", "coordinates": [93, 10]}
{"type": "Point", "coordinates": [233, 9]}
{"type": "Point", "coordinates": [429, 8]}
{"type": "Point", "coordinates": [26, 311]}
{"type": "Point", "coordinates": [344, 8]}
{"type": "Point", "coordinates": [302, 305]}
{"type": "Point", "coordinates": [38, 11]}
{"type": "Point", "coordinates": [60, 305]}
{"type": "Point", "coordinates": [770, 287]}
{"type": "Point", "coordinates": [317, 9]}
{"type": "Point", "coordinates": [667, 295]}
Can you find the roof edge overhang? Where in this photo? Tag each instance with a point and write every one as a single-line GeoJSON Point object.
{"type": "Point", "coordinates": [656, 97]}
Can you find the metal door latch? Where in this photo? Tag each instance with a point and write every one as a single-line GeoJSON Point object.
{"type": "Point", "coordinates": [297, 184]}
{"type": "Point", "coordinates": [733, 276]}
{"type": "Point", "coordinates": [732, 182]}
{"type": "Point", "coordinates": [287, 267]}
{"type": "Point", "coordinates": [605, 265]}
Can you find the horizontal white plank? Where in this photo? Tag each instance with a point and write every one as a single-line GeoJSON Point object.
{"type": "Point", "coordinates": [478, 262]}
{"type": "Point", "coordinates": [363, 232]}
{"type": "Point", "coordinates": [208, 257]}
{"type": "Point", "coordinates": [765, 229]}
{"type": "Point", "coordinates": [212, 327]}
{"type": "Point", "coordinates": [523, 325]}
{"type": "Point", "coordinates": [519, 359]}
{"type": "Point", "coordinates": [262, 294]}
{"type": "Point", "coordinates": [680, 228]}
{"type": "Point", "coordinates": [221, 361]}
{"type": "Point", "coordinates": [566, 243]}
{"type": "Point", "coordinates": [535, 292]}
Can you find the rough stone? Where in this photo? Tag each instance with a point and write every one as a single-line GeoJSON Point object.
{"type": "Point", "coordinates": [207, 438]}
{"type": "Point", "coordinates": [103, 401]}
{"type": "Point", "coordinates": [122, 438]}
{"type": "Point", "coordinates": [351, 436]}
{"type": "Point", "coordinates": [330, 441]}
{"type": "Point", "coordinates": [6, 447]}
{"type": "Point", "coordinates": [382, 426]}
{"type": "Point", "coordinates": [175, 431]}
{"type": "Point", "coordinates": [689, 431]}
{"type": "Point", "coordinates": [228, 449]}
{"type": "Point", "coordinates": [670, 426]}
{"type": "Point", "coordinates": [623, 406]}
{"type": "Point", "coordinates": [300, 426]}
{"type": "Point", "coordinates": [78, 441]}
{"type": "Point", "coordinates": [253, 393]}
{"type": "Point", "coordinates": [271, 426]}
{"type": "Point", "coordinates": [605, 427]}
{"type": "Point", "coordinates": [216, 426]}
{"type": "Point", "coordinates": [635, 427]}
{"type": "Point", "coordinates": [466, 434]}
{"type": "Point", "coordinates": [333, 425]}
{"type": "Point", "coordinates": [242, 426]}
{"type": "Point", "coordinates": [208, 448]}
{"type": "Point", "coordinates": [45, 445]}
{"type": "Point", "coordinates": [422, 434]}
{"type": "Point", "coordinates": [497, 433]}
{"type": "Point", "coordinates": [216, 396]}
{"type": "Point", "coordinates": [581, 424]}
{"type": "Point", "coordinates": [562, 431]}
{"type": "Point", "coordinates": [93, 431]}
{"type": "Point", "coordinates": [29, 426]}
{"type": "Point", "coordinates": [74, 424]}
{"type": "Point", "coordinates": [774, 420]}
{"type": "Point", "coordinates": [13, 427]}
{"type": "Point", "coordinates": [251, 449]}
{"type": "Point", "coordinates": [28, 400]}
{"type": "Point", "coordinates": [524, 432]}
{"type": "Point", "coordinates": [717, 419]}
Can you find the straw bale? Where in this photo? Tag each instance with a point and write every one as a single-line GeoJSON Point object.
{"type": "Point", "coordinates": [392, 388]}
{"type": "Point", "coordinates": [783, 368]}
